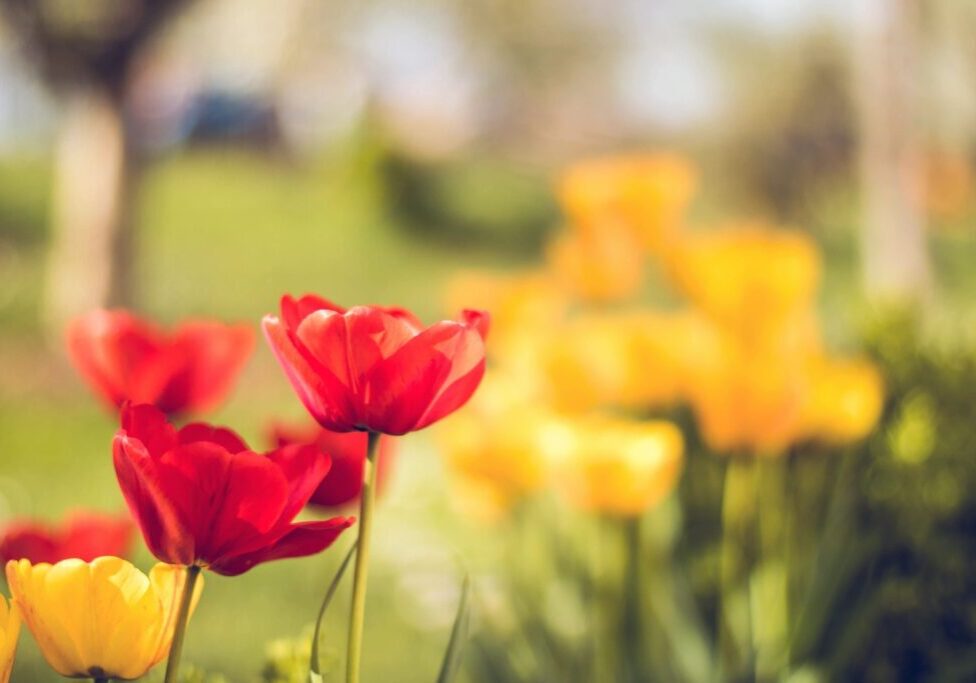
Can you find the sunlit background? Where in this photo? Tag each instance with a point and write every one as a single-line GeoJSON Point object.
{"type": "Point", "coordinates": [199, 158]}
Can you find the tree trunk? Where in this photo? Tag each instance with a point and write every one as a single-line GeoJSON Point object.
{"type": "Point", "coordinates": [894, 250]}
{"type": "Point", "coordinates": [90, 259]}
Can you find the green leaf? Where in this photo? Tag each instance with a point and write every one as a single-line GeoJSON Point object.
{"type": "Point", "coordinates": [459, 634]}
{"type": "Point", "coordinates": [314, 669]}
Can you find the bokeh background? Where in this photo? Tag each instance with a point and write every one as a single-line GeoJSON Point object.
{"type": "Point", "coordinates": [202, 157]}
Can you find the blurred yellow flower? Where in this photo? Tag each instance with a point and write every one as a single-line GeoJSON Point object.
{"type": "Point", "coordinates": [9, 634]}
{"type": "Point", "coordinates": [641, 359]}
{"type": "Point", "coordinates": [846, 400]}
{"type": "Point", "coordinates": [748, 278]}
{"type": "Point", "coordinates": [99, 619]}
{"type": "Point", "coordinates": [601, 265]}
{"type": "Point", "coordinates": [618, 467]}
{"type": "Point", "coordinates": [751, 396]}
{"type": "Point", "coordinates": [496, 445]}
{"type": "Point", "coordinates": [646, 194]}
{"type": "Point", "coordinates": [521, 306]}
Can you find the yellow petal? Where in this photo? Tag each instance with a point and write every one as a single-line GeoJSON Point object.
{"type": "Point", "coordinates": [168, 581]}
{"type": "Point", "coordinates": [9, 633]}
{"type": "Point", "coordinates": [620, 467]}
{"type": "Point", "coordinates": [104, 616]}
{"type": "Point", "coordinates": [57, 644]}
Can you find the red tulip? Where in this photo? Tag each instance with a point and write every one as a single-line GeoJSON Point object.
{"type": "Point", "coordinates": [202, 497]}
{"type": "Point", "coordinates": [376, 369]}
{"type": "Point", "coordinates": [83, 535]}
{"type": "Point", "coordinates": [344, 482]}
{"type": "Point", "coordinates": [125, 358]}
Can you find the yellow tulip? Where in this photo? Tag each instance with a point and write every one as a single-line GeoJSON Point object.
{"type": "Point", "coordinates": [645, 194]}
{"type": "Point", "coordinates": [630, 360]}
{"type": "Point", "coordinates": [846, 401]}
{"type": "Point", "coordinates": [9, 633]}
{"type": "Point", "coordinates": [605, 264]}
{"type": "Point", "coordinates": [749, 279]}
{"type": "Point", "coordinates": [521, 305]}
{"type": "Point", "coordinates": [752, 395]}
{"type": "Point", "coordinates": [619, 467]}
{"type": "Point", "coordinates": [99, 619]}
{"type": "Point", "coordinates": [495, 445]}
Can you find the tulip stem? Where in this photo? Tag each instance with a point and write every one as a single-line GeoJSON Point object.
{"type": "Point", "coordinates": [179, 631]}
{"type": "Point", "coordinates": [357, 614]}
{"type": "Point", "coordinates": [633, 636]}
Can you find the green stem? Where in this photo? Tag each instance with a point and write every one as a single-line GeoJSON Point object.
{"type": "Point", "coordinates": [633, 601]}
{"type": "Point", "coordinates": [357, 614]}
{"type": "Point", "coordinates": [100, 680]}
{"type": "Point", "coordinates": [737, 552]}
{"type": "Point", "coordinates": [771, 582]}
{"type": "Point", "coordinates": [179, 632]}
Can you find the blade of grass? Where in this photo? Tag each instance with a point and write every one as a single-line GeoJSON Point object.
{"type": "Point", "coordinates": [459, 634]}
{"type": "Point", "coordinates": [314, 668]}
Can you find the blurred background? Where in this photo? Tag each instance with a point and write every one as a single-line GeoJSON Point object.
{"type": "Point", "coordinates": [201, 157]}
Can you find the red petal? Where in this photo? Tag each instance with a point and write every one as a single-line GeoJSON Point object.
{"type": "Point", "coordinates": [208, 357]}
{"type": "Point", "coordinates": [29, 541]}
{"type": "Point", "coordinates": [453, 396]}
{"type": "Point", "coordinates": [403, 387]}
{"type": "Point", "coordinates": [293, 311]}
{"type": "Point", "coordinates": [148, 424]}
{"type": "Point", "coordinates": [344, 481]}
{"type": "Point", "coordinates": [228, 502]}
{"type": "Point", "coordinates": [165, 532]}
{"type": "Point", "coordinates": [88, 535]}
{"type": "Point", "coordinates": [227, 439]}
{"type": "Point", "coordinates": [479, 320]}
{"type": "Point", "coordinates": [305, 538]}
{"type": "Point", "coordinates": [325, 397]}
{"type": "Point", "coordinates": [304, 467]}
{"type": "Point", "coordinates": [111, 349]}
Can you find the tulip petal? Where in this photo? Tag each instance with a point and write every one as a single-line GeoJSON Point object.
{"type": "Point", "coordinates": [29, 589]}
{"type": "Point", "coordinates": [107, 348]}
{"type": "Point", "coordinates": [200, 431]}
{"type": "Point", "coordinates": [147, 424]}
{"type": "Point", "coordinates": [294, 311]}
{"type": "Point", "coordinates": [164, 530]}
{"type": "Point", "coordinates": [207, 358]}
{"type": "Point", "coordinates": [344, 481]}
{"type": "Point", "coordinates": [227, 501]}
{"type": "Point", "coordinates": [89, 535]}
{"type": "Point", "coordinates": [467, 370]}
{"type": "Point", "coordinates": [168, 582]}
{"type": "Point", "coordinates": [304, 467]}
{"type": "Point", "coordinates": [403, 387]}
{"type": "Point", "coordinates": [453, 396]}
{"type": "Point", "coordinates": [325, 397]}
{"type": "Point", "coordinates": [304, 538]}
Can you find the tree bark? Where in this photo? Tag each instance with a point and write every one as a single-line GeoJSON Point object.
{"type": "Point", "coordinates": [893, 241]}
{"type": "Point", "coordinates": [90, 258]}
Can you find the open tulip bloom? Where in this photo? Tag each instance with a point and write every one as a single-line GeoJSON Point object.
{"type": "Point", "coordinates": [201, 497]}
{"type": "Point", "coordinates": [101, 619]}
{"type": "Point", "coordinates": [83, 535]}
{"type": "Point", "coordinates": [125, 358]}
{"type": "Point", "coordinates": [375, 369]}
